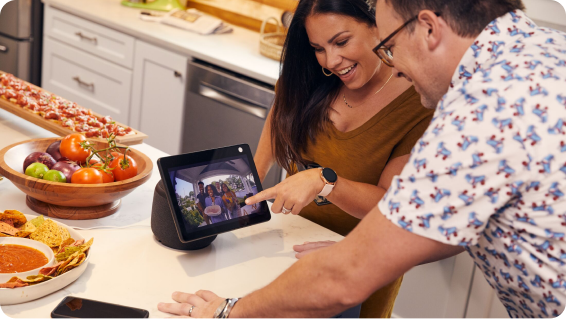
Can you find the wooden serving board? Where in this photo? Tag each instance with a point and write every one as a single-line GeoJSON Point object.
{"type": "Point", "coordinates": [56, 127]}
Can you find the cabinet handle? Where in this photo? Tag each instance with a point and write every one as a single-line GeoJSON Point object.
{"type": "Point", "coordinates": [82, 83]}
{"type": "Point", "coordinates": [178, 74]}
{"type": "Point", "coordinates": [91, 39]}
{"type": "Point", "coordinates": [3, 48]}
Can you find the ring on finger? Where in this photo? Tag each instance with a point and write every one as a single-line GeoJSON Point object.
{"type": "Point", "coordinates": [191, 310]}
{"type": "Point", "coordinates": [285, 210]}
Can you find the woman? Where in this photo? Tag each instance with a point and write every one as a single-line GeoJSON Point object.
{"type": "Point", "coordinates": [230, 201]}
{"type": "Point", "coordinates": [214, 199]}
{"type": "Point", "coordinates": [338, 106]}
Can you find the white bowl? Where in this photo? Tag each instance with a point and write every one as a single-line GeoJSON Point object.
{"type": "Point", "coordinates": [28, 243]}
{"type": "Point", "coordinates": [213, 210]}
{"type": "Point", "coordinates": [24, 294]}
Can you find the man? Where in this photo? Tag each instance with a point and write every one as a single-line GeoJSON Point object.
{"type": "Point", "coordinates": [218, 188]}
{"type": "Point", "coordinates": [200, 202]}
{"type": "Point", "coordinates": [486, 176]}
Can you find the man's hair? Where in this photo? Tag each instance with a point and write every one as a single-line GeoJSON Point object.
{"type": "Point", "coordinates": [200, 183]}
{"type": "Point", "coordinates": [467, 18]}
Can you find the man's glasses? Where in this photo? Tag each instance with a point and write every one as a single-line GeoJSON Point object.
{"type": "Point", "coordinates": [383, 52]}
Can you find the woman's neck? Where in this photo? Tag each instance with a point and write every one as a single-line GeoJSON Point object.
{"type": "Point", "coordinates": [375, 83]}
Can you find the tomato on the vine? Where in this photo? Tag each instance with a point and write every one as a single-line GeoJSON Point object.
{"type": "Point", "coordinates": [123, 168]}
{"type": "Point", "coordinates": [107, 175]}
{"type": "Point", "coordinates": [71, 148]}
{"type": "Point", "coordinates": [87, 175]}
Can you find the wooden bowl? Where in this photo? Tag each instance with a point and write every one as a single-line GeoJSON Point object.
{"type": "Point", "coordinates": [66, 200]}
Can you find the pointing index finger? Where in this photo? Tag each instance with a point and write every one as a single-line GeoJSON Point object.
{"type": "Point", "coordinates": [261, 196]}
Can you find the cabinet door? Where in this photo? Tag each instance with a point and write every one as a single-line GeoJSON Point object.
{"type": "Point", "coordinates": [158, 96]}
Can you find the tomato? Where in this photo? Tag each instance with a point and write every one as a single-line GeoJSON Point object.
{"type": "Point", "coordinates": [107, 175]}
{"type": "Point", "coordinates": [88, 175]}
{"type": "Point", "coordinates": [72, 149]}
{"type": "Point", "coordinates": [123, 169]}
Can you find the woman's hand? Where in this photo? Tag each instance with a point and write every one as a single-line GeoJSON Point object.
{"type": "Point", "coordinates": [203, 304]}
{"type": "Point", "coordinates": [293, 193]}
{"type": "Point", "coordinates": [308, 247]}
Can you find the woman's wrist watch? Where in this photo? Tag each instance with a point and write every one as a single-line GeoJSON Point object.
{"type": "Point", "coordinates": [223, 310]}
{"type": "Point", "coordinates": [329, 178]}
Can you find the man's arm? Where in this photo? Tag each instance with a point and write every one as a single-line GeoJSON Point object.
{"type": "Point", "coordinates": [343, 275]}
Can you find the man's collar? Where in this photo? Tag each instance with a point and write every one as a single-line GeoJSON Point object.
{"type": "Point", "coordinates": [506, 29]}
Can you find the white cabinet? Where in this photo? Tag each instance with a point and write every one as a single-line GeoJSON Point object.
{"type": "Point", "coordinates": [88, 64]}
{"type": "Point", "coordinates": [158, 96]}
{"type": "Point", "coordinates": [436, 290]}
{"type": "Point", "coordinates": [87, 80]}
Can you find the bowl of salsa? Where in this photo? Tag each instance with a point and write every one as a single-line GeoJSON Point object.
{"type": "Point", "coordinates": [23, 257]}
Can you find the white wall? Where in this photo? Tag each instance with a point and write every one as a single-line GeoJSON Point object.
{"type": "Point", "coordinates": [547, 13]}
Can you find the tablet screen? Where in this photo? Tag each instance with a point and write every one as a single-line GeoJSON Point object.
{"type": "Point", "coordinates": [209, 197]}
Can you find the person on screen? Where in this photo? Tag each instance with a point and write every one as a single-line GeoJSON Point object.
{"type": "Point", "coordinates": [231, 201]}
{"type": "Point", "coordinates": [214, 198]}
{"type": "Point", "coordinates": [201, 196]}
{"type": "Point", "coordinates": [219, 189]}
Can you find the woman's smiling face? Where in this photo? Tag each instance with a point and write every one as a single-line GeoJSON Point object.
{"type": "Point", "coordinates": [343, 45]}
{"type": "Point", "coordinates": [210, 191]}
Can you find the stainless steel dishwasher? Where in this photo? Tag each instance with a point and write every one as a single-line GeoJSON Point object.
{"type": "Point", "coordinates": [225, 108]}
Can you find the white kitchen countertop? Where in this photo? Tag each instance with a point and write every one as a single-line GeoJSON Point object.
{"type": "Point", "coordinates": [129, 267]}
{"type": "Point", "coordinates": [237, 51]}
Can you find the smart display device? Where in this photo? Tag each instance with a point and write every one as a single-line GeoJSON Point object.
{"type": "Point", "coordinates": [206, 191]}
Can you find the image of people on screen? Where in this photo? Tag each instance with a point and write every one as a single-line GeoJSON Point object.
{"type": "Point", "coordinates": [214, 193]}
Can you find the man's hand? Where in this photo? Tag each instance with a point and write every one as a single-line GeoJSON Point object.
{"type": "Point", "coordinates": [293, 193]}
{"type": "Point", "coordinates": [203, 304]}
{"type": "Point", "coordinates": [308, 247]}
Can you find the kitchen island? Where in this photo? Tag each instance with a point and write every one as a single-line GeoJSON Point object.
{"type": "Point", "coordinates": [128, 266]}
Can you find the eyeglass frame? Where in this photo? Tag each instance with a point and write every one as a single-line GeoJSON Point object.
{"type": "Point", "coordinates": [381, 44]}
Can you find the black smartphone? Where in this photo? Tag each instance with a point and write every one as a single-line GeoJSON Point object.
{"type": "Point", "coordinates": [74, 307]}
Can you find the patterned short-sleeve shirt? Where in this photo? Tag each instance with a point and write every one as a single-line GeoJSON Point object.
{"type": "Point", "coordinates": [489, 173]}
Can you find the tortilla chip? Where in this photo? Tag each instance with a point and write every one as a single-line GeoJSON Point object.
{"type": "Point", "coordinates": [48, 271]}
{"type": "Point", "coordinates": [66, 262]}
{"type": "Point", "coordinates": [4, 235]}
{"type": "Point", "coordinates": [29, 226]}
{"type": "Point", "coordinates": [66, 243]}
{"type": "Point", "coordinates": [37, 221]}
{"type": "Point", "coordinates": [85, 247]}
{"type": "Point", "coordinates": [64, 233]}
{"type": "Point", "coordinates": [22, 233]}
{"type": "Point", "coordinates": [68, 251]}
{"type": "Point", "coordinates": [36, 279]}
{"type": "Point", "coordinates": [7, 229]}
{"type": "Point", "coordinates": [74, 263]}
{"type": "Point", "coordinates": [17, 217]}
{"type": "Point", "coordinates": [48, 233]}
{"type": "Point", "coordinates": [14, 282]}
{"type": "Point", "coordinates": [7, 221]}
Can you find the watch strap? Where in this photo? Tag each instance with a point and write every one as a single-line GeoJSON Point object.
{"type": "Point", "coordinates": [326, 190]}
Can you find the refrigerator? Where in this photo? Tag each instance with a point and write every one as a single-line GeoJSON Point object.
{"type": "Point", "coordinates": [21, 25]}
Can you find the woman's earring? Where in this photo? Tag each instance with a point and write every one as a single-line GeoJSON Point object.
{"type": "Point", "coordinates": [325, 72]}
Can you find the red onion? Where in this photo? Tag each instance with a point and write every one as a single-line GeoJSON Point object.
{"type": "Point", "coordinates": [39, 157]}
{"type": "Point", "coordinates": [53, 150]}
{"type": "Point", "coordinates": [68, 168]}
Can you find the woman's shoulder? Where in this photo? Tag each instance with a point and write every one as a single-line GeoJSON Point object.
{"type": "Point", "coordinates": [409, 103]}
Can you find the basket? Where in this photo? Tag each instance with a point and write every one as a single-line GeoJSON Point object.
{"type": "Point", "coordinates": [271, 44]}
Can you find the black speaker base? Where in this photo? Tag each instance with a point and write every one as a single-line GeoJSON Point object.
{"type": "Point", "coordinates": [163, 226]}
{"type": "Point", "coordinates": [193, 245]}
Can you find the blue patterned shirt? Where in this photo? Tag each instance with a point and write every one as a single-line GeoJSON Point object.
{"type": "Point", "coordinates": [489, 173]}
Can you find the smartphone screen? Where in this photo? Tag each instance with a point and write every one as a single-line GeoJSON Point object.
{"type": "Point", "coordinates": [73, 307]}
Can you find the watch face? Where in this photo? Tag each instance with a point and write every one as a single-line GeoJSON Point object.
{"type": "Point", "coordinates": [329, 175]}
